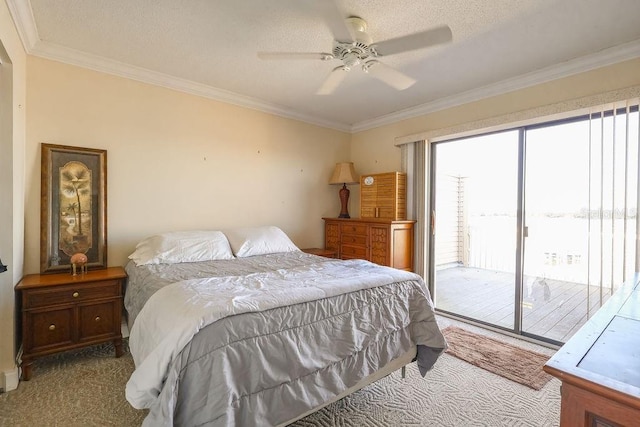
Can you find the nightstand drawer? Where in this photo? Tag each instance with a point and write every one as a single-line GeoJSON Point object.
{"type": "Point", "coordinates": [98, 319]}
{"type": "Point", "coordinates": [49, 329]}
{"type": "Point", "coordinates": [71, 293]}
{"type": "Point", "coordinates": [360, 229]}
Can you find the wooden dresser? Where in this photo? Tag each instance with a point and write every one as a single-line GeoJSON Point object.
{"type": "Point", "coordinates": [382, 241]}
{"type": "Point", "coordinates": [600, 365]}
{"type": "Point", "coordinates": [61, 312]}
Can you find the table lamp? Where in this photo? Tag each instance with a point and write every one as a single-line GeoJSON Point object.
{"type": "Point", "coordinates": [344, 174]}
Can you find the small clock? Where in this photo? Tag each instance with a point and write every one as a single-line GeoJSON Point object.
{"type": "Point", "coordinates": [368, 180]}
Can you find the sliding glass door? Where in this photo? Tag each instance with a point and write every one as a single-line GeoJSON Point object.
{"type": "Point", "coordinates": [475, 221]}
{"type": "Point", "coordinates": [557, 243]}
{"type": "Point", "coordinates": [535, 228]}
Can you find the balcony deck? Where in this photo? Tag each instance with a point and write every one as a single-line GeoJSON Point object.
{"type": "Point", "coordinates": [551, 308]}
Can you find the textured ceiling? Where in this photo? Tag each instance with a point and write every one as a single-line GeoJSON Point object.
{"type": "Point", "coordinates": [209, 47]}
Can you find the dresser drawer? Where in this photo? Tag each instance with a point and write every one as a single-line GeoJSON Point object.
{"type": "Point", "coordinates": [354, 240]}
{"type": "Point", "coordinates": [44, 297]}
{"type": "Point", "coordinates": [360, 229]}
{"type": "Point", "coordinates": [49, 329]}
{"type": "Point", "coordinates": [348, 251]}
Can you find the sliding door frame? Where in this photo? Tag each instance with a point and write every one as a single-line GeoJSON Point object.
{"type": "Point", "coordinates": [521, 227]}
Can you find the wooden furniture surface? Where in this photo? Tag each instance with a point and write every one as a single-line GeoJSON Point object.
{"type": "Point", "coordinates": [62, 312]}
{"type": "Point", "coordinates": [600, 365]}
{"type": "Point", "coordinates": [385, 197]}
{"type": "Point", "coordinates": [382, 241]}
{"type": "Point", "coordinates": [327, 253]}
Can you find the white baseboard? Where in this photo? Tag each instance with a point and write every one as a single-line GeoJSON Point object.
{"type": "Point", "coordinates": [9, 379]}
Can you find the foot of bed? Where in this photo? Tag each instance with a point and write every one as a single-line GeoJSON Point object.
{"type": "Point", "coordinates": [403, 372]}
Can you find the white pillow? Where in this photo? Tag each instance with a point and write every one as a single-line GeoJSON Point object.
{"type": "Point", "coordinates": [259, 241]}
{"type": "Point", "coordinates": [182, 246]}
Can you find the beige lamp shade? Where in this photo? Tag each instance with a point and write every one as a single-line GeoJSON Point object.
{"type": "Point", "coordinates": [344, 174]}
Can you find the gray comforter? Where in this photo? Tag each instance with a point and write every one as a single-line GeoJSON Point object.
{"type": "Point", "coordinates": [267, 366]}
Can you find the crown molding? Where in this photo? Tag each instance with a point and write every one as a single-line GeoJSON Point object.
{"type": "Point", "coordinates": [582, 64]}
{"type": "Point", "coordinates": [109, 66]}
{"type": "Point", "coordinates": [22, 15]}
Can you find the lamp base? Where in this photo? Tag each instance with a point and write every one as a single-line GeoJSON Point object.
{"type": "Point", "coordinates": [344, 199]}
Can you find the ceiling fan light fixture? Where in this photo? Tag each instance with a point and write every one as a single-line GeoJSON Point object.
{"type": "Point", "coordinates": [351, 60]}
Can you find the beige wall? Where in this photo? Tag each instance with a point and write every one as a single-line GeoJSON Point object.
{"type": "Point", "coordinates": [178, 161]}
{"type": "Point", "coordinates": [373, 150]}
{"type": "Point", "coordinates": [12, 124]}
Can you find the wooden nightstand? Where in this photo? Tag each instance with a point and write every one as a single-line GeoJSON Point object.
{"type": "Point", "coordinates": [62, 312]}
{"type": "Point", "coordinates": [327, 253]}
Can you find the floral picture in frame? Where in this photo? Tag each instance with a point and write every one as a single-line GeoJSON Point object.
{"type": "Point", "coordinates": [73, 207]}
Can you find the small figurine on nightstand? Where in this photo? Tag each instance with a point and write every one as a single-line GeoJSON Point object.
{"type": "Point", "coordinates": [78, 263]}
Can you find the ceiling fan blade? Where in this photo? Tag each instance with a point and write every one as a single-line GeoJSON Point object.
{"type": "Point", "coordinates": [388, 75]}
{"type": "Point", "coordinates": [335, 19]}
{"type": "Point", "coordinates": [295, 55]}
{"type": "Point", "coordinates": [332, 81]}
{"type": "Point", "coordinates": [415, 41]}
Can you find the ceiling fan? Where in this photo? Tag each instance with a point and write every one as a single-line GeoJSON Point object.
{"type": "Point", "coordinates": [354, 47]}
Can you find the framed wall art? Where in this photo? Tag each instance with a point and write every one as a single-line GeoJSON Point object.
{"type": "Point", "coordinates": [73, 211]}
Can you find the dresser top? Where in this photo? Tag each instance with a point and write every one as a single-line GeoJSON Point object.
{"type": "Point", "coordinates": [602, 355]}
{"type": "Point", "coordinates": [373, 220]}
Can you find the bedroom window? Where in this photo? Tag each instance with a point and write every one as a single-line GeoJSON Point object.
{"type": "Point", "coordinates": [535, 226]}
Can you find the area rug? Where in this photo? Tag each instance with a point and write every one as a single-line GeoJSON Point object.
{"type": "Point", "coordinates": [514, 363]}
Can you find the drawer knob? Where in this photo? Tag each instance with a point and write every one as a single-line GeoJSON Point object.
{"type": "Point", "coordinates": [97, 318]}
{"type": "Point", "coordinates": [76, 294]}
{"type": "Point", "coordinates": [52, 327]}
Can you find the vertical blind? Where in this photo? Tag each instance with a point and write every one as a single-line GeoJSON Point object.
{"type": "Point", "coordinates": [414, 164]}
{"type": "Point", "coordinates": [614, 193]}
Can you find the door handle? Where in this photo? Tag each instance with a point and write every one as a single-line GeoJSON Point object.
{"type": "Point", "coordinates": [433, 222]}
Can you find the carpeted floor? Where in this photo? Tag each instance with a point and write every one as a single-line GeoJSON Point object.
{"type": "Point", "coordinates": [86, 388]}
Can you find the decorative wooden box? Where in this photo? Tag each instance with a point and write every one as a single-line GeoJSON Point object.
{"type": "Point", "coordinates": [384, 196]}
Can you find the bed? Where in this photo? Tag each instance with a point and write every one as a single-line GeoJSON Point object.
{"type": "Point", "coordinates": [241, 328]}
